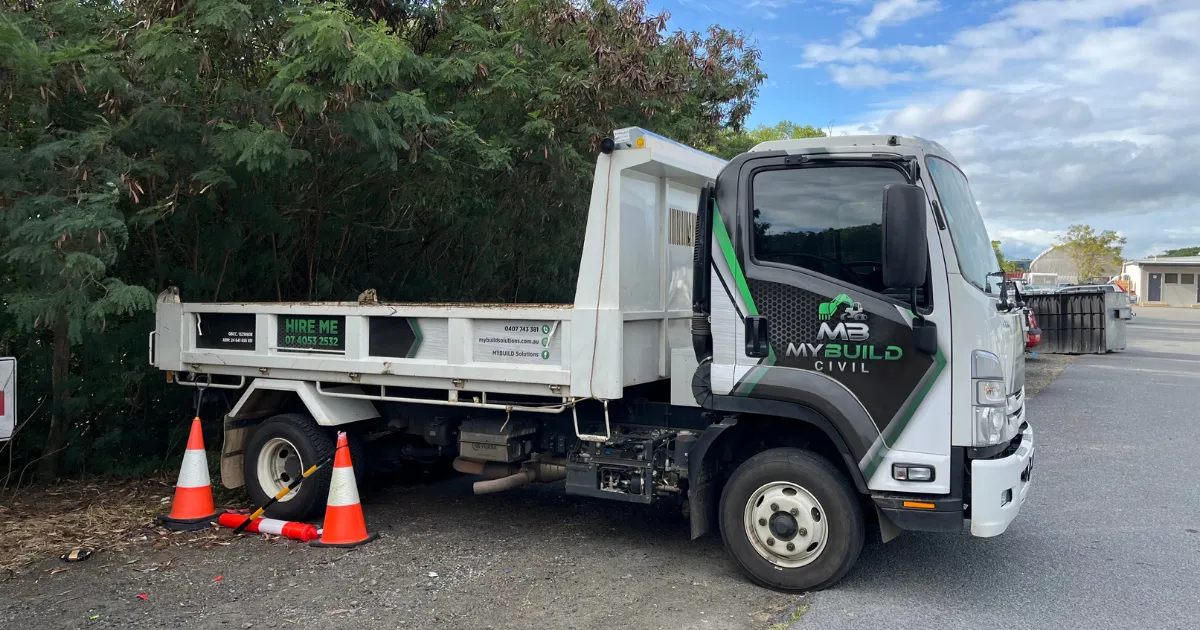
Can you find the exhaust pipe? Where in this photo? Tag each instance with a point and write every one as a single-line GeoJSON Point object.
{"type": "Point", "coordinates": [490, 470]}
{"type": "Point", "coordinates": [510, 482]}
{"type": "Point", "coordinates": [507, 477]}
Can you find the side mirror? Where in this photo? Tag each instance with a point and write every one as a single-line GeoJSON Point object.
{"type": "Point", "coordinates": [905, 251]}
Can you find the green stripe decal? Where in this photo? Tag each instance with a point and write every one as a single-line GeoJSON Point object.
{"type": "Point", "coordinates": [893, 430]}
{"type": "Point", "coordinates": [417, 337]}
{"type": "Point", "coordinates": [756, 373]}
{"type": "Point", "coordinates": [726, 247]}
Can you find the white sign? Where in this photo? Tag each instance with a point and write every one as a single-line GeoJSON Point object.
{"type": "Point", "coordinates": [8, 397]}
{"type": "Point", "coordinates": [517, 341]}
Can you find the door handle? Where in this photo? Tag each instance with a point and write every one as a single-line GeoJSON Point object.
{"type": "Point", "coordinates": [758, 337]}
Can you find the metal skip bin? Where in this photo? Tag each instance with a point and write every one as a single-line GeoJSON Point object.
{"type": "Point", "coordinates": [1083, 322]}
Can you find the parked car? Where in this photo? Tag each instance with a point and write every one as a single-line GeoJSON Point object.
{"type": "Point", "coordinates": [1033, 334]}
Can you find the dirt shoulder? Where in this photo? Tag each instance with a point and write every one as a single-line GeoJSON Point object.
{"type": "Point", "coordinates": [1042, 369]}
{"type": "Point", "coordinates": [445, 559]}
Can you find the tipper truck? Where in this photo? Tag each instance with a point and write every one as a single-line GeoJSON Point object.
{"type": "Point", "coordinates": [810, 337]}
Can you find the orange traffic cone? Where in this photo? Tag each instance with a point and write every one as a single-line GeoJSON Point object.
{"type": "Point", "coordinates": [193, 506]}
{"type": "Point", "coordinates": [344, 523]}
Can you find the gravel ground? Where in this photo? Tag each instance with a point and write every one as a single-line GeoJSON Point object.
{"type": "Point", "coordinates": [1042, 369]}
{"type": "Point", "coordinates": [445, 560]}
{"type": "Point", "coordinates": [534, 558]}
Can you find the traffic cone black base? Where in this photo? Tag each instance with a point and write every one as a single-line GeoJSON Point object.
{"type": "Point", "coordinates": [188, 524]}
{"type": "Point", "coordinates": [369, 538]}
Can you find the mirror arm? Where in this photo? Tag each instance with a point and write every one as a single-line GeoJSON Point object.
{"type": "Point", "coordinates": [1002, 305]}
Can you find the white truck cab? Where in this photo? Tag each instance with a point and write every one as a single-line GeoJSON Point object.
{"type": "Point", "coordinates": [774, 341]}
{"type": "Point", "coordinates": [853, 276]}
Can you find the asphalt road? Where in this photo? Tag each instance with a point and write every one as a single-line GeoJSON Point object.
{"type": "Point", "coordinates": [1110, 534]}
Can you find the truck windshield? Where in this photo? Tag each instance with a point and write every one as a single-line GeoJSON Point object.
{"type": "Point", "coordinates": [976, 257]}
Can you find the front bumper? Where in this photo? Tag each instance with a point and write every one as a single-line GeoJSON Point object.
{"type": "Point", "coordinates": [999, 487]}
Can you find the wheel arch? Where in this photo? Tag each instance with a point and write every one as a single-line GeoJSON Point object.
{"type": "Point", "coordinates": [266, 397]}
{"type": "Point", "coordinates": [724, 445]}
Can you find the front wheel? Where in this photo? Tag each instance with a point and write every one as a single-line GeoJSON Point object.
{"type": "Point", "coordinates": [790, 520]}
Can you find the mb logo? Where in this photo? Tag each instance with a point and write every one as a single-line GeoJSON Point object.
{"type": "Point", "coordinates": [844, 331]}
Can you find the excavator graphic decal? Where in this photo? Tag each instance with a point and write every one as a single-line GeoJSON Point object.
{"type": "Point", "coordinates": [827, 309]}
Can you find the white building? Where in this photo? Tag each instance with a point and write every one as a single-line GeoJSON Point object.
{"type": "Point", "coordinates": [1055, 267]}
{"type": "Point", "coordinates": [1170, 281]}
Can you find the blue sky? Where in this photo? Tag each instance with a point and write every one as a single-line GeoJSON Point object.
{"type": "Point", "coordinates": [1060, 111]}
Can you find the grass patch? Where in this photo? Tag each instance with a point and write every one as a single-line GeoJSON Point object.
{"type": "Point", "coordinates": [797, 613]}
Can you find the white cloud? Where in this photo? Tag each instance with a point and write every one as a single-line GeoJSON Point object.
{"type": "Point", "coordinates": [890, 13]}
{"type": "Point", "coordinates": [769, 9]}
{"type": "Point", "coordinates": [1060, 111]}
{"type": "Point", "coordinates": [865, 74]}
{"type": "Point", "coordinates": [1022, 242]}
{"type": "Point", "coordinates": [815, 54]}
{"type": "Point", "coordinates": [996, 113]}
{"type": "Point", "coordinates": [1045, 14]}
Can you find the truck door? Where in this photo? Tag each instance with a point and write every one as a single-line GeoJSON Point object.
{"type": "Point", "coordinates": [8, 397]}
{"type": "Point", "coordinates": [820, 330]}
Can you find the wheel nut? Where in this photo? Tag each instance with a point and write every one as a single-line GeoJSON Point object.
{"type": "Point", "coordinates": [771, 541]}
{"type": "Point", "coordinates": [795, 512]}
{"type": "Point", "coordinates": [774, 507]}
{"type": "Point", "coordinates": [791, 547]}
{"type": "Point", "coordinates": [762, 522]}
{"type": "Point", "coordinates": [803, 532]}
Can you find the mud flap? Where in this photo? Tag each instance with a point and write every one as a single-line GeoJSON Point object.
{"type": "Point", "coordinates": [233, 450]}
{"type": "Point", "coordinates": [701, 509]}
{"type": "Point", "coordinates": [888, 531]}
{"type": "Point", "coordinates": [702, 476]}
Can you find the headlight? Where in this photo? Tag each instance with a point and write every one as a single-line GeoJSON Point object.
{"type": "Point", "coordinates": [990, 406]}
{"type": "Point", "coordinates": [989, 425]}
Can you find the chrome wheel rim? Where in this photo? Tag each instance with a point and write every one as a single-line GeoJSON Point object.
{"type": "Point", "coordinates": [786, 524]}
{"type": "Point", "coordinates": [278, 465]}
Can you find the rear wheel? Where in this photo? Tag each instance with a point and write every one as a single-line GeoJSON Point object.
{"type": "Point", "coordinates": [279, 452]}
{"type": "Point", "coordinates": [790, 520]}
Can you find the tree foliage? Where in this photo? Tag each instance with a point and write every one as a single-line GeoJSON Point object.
{"type": "Point", "coordinates": [731, 142]}
{"type": "Point", "coordinates": [1008, 266]}
{"type": "Point", "coordinates": [1092, 252]}
{"type": "Point", "coordinates": [1183, 251]}
{"type": "Point", "coordinates": [303, 150]}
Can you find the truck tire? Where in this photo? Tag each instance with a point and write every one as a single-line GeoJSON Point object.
{"type": "Point", "coordinates": [277, 453]}
{"type": "Point", "coordinates": [791, 520]}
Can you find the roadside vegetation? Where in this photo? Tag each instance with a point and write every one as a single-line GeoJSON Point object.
{"type": "Point", "coordinates": [302, 150]}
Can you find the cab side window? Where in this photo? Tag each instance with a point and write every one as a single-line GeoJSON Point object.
{"type": "Point", "coordinates": [827, 220]}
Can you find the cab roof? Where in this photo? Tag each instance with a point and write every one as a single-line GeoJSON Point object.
{"type": "Point", "coordinates": [854, 144]}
